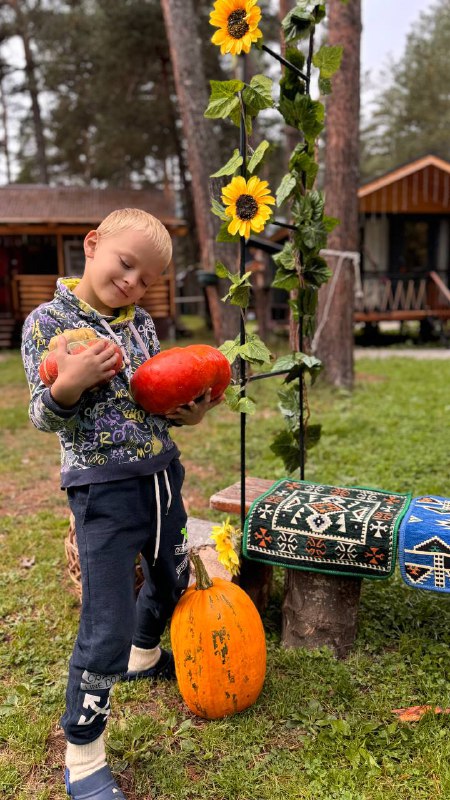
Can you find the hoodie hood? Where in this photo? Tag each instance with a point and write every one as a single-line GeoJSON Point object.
{"type": "Point", "coordinates": [65, 290]}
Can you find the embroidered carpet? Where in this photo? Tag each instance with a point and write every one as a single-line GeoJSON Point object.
{"type": "Point", "coordinates": [341, 530]}
{"type": "Point", "coordinates": [424, 544]}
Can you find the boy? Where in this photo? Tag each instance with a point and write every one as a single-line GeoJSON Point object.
{"type": "Point", "coordinates": [122, 475]}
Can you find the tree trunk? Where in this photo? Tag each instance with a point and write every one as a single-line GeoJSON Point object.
{"type": "Point", "coordinates": [4, 116]}
{"type": "Point", "coordinates": [321, 610]}
{"type": "Point", "coordinates": [30, 71]}
{"type": "Point", "coordinates": [191, 86]}
{"type": "Point", "coordinates": [335, 344]}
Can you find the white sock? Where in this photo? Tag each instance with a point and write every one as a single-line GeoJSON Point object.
{"type": "Point", "coordinates": [141, 659]}
{"type": "Point", "coordinates": [84, 759]}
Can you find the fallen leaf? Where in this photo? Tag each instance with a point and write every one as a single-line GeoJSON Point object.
{"type": "Point", "coordinates": [414, 713]}
{"type": "Point", "coordinates": [27, 563]}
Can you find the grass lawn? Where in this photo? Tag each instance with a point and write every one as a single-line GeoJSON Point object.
{"type": "Point", "coordinates": [322, 729]}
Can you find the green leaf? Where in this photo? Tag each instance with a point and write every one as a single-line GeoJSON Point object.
{"type": "Point", "coordinates": [255, 351]}
{"type": "Point", "coordinates": [239, 292]}
{"type": "Point", "coordinates": [286, 447]}
{"type": "Point", "coordinates": [286, 259]}
{"type": "Point", "coordinates": [325, 86]}
{"type": "Point", "coordinates": [223, 99]}
{"type": "Point", "coordinates": [224, 235]}
{"type": "Point", "coordinates": [328, 60]}
{"type": "Point", "coordinates": [302, 163]}
{"type": "Point", "coordinates": [295, 364]}
{"type": "Point", "coordinates": [230, 349]}
{"type": "Point", "coordinates": [285, 280]}
{"type": "Point", "coordinates": [219, 210]}
{"type": "Point", "coordinates": [316, 271]}
{"type": "Point", "coordinates": [298, 22]}
{"type": "Point", "coordinates": [235, 402]}
{"type": "Point", "coordinates": [311, 116]}
{"type": "Point", "coordinates": [285, 188]}
{"type": "Point", "coordinates": [258, 94]}
{"type": "Point", "coordinates": [230, 167]}
{"type": "Point", "coordinates": [222, 271]}
{"type": "Point", "coordinates": [257, 156]}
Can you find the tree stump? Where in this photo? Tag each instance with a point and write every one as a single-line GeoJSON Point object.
{"type": "Point", "coordinates": [320, 610]}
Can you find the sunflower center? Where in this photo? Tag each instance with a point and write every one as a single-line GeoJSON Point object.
{"type": "Point", "coordinates": [237, 25]}
{"type": "Point", "coordinates": [246, 207]}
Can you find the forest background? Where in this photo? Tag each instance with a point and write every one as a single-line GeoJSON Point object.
{"type": "Point", "coordinates": [96, 104]}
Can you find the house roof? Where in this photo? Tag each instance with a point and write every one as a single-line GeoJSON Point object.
{"type": "Point", "coordinates": [422, 186]}
{"type": "Point", "coordinates": [37, 203]}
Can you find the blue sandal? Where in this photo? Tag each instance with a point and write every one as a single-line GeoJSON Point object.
{"type": "Point", "coordinates": [98, 786]}
{"type": "Point", "coordinates": [164, 669]}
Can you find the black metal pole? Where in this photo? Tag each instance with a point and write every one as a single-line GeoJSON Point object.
{"type": "Point", "coordinates": [242, 364]}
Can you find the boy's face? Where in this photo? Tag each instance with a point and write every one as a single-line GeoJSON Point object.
{"type": "Point", "coordinates": [119, 269]}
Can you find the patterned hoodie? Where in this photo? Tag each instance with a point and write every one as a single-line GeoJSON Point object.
{"type": "Point", "coordinates": [106, 436]}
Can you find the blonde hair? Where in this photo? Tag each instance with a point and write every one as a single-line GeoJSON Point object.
{"type": "Point", "coordinates": [139, 220]}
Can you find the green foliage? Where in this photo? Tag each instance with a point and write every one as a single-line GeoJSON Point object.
{"type": "Point", "coordinates": [410, 116]}
{"type": "Point", "coordinates": [300, 268]}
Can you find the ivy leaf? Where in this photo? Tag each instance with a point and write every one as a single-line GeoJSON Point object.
{"type": "Point", "coordinates": [258, 94]}
{"type": "Point", "coordinates": [235, 117]}
{"type": "Point", "coordinates": [230, 167]}
{"type": "Point", "coordinates": [316, 271]}
{"type": "Point", "coordinates": [299, 21]}
{"type": "Point", "coordinates": [223, 99]}
{"type": "Point", "coordinates": [295, 364]}
{"type": "Point", "coordinates": [311, 116]}
{"type": "Point", "coordinates": [257, 156]}
{"type": "Point", "coordinates": [224, 235]}
{"type": "Point", "coordinates": [285, 188]}
{"type": "Point", "coordinates": [328, 60]}
{"type": "Point", "coordinates": [286, 258]}
{"type": "Point", "coordinates": [286, 447]}
{"type": "Point", "coordinates": [303, 163]}
{"type": "Point", "coordinates": [235, 402]}
{"type": "Point", "coordinates": [239, 292]}
{"type": "Point", "coordinates": [230, 349]}
{"type": "Point", "coordinates": [255, 351]}
{"type": "Point", "coordinates": [222, 271]}
{"type": "Point", "coordinates": [219, 210]}
{"type": "Point", "coordinates": [285, 280]}
{"type": "Point", "coordinates": [330, 223]}
{"type": "Point", "coordinates": [325, 86]}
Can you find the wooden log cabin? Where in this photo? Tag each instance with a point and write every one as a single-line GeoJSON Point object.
{"type": "Point", "coordinates": [41, 239]}
{"type": "Point", "coordinates": [405, 244]}
{"type": "Point", "coordinates": [404, 271]}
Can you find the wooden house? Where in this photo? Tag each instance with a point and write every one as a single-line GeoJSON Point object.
{"type": "Point", "coordinates": [405, 243]}
{"type": "Point", "coordinates": [404, 271]}
{"type": "Point", "coordinates": [41, 239]}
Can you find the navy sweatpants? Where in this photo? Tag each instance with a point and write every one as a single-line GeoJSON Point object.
{"type": "Point", "coordinates": [115, 522]}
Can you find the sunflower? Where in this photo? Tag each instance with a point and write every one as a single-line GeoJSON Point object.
{"type": "Point", "coordinates": [237, 21]}
{"type": "Point", "coordinates": [226, 538]}
{"type": "Point", "coordinates": [247, 202]}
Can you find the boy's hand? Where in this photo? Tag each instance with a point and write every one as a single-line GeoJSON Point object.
{"type": "Point", "coordinates": [82, 371]}
{"type": "Point", "coordinates": [193, 412]}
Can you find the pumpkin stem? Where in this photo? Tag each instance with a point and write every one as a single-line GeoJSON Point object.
{"type": "Point", "coordinates": [202, 579]}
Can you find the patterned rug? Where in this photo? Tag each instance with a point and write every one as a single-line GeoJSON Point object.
{"type": "Point", "coordinates": [341, 530]}
{"type": "Point", "coordinates": [424, 544]}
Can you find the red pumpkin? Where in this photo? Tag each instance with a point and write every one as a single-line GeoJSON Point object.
{"type": "Point", "coordinates": [78, 339]}
{"type": "Point", "coordinates": [178, 376]}
{"type": "Point", "coordinates": [219, 646]}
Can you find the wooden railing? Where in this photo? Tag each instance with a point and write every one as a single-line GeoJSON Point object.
{"type": "Point", "coordinates": [402, 297]}
{"type": "Point", "coordinates": [29, 291]}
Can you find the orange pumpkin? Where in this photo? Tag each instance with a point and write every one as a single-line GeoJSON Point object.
{"type": "Point", "coordinates": [179, 375]}
{"type": "Point", "coordinates": [78, 339]}
{"type": "Point", "coordinates": [219, 646]}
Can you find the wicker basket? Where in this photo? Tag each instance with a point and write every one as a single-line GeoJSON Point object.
{"type": "Point", "coordinates": [73, 560]}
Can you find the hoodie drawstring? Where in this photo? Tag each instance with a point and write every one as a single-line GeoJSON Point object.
{"type": "Point", "coordinates": [155, 475]}
{"type": "Point", "coordinates": [158, 509]}
{"type": "Point", "coordinates": [117, 340]}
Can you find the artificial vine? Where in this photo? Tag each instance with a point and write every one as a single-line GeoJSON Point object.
{"type": "Point", "coordinates": [247, 203]}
